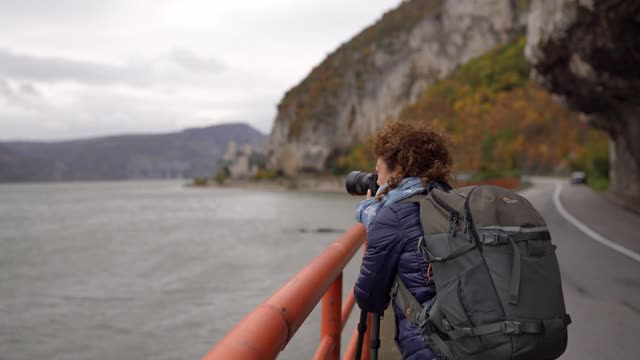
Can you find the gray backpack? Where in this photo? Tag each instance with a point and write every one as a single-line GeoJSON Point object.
{"type": "Point", "coordinates": [499, 294]}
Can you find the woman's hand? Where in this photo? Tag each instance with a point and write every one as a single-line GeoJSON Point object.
{"type": "Point", "coordinates": [369, 196]}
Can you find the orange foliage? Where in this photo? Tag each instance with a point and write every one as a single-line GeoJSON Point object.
{"type": "Point", "coordinates": [498, 120]}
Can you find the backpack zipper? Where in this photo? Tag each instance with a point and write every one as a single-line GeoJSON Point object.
{"type": "Point", "coordinates": [469, 225]}
{"type": "Point", "coordinates": [454, 215]}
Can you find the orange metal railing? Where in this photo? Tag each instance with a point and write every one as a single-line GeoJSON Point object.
{"type": "Point", "coordinates": [264, 332]}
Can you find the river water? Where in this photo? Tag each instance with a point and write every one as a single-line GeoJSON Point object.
{"type": "Point", "coordinates": [152, 270]}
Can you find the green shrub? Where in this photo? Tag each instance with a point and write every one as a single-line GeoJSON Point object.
{"type": "Point", "coordinates": [267, 174]}
{"type": "Point", "coordinates": [222, 174]}
{"type": "Point", "coordinates": [200, 181]}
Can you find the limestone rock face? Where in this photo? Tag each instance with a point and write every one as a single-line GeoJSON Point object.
{"type": "Point", "coordinates": [588, 51]}
{"type": "Point", "coordinates": [369, 81]}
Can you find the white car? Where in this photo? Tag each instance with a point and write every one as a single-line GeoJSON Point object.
{"type": "Point", "coordinates": [578, 177]}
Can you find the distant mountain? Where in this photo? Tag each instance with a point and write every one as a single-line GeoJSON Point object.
{"type": "Point", "coordinates": [184, 154]}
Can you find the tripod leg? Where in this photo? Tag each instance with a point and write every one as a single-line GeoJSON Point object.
{"type": "Point", "coordinates": [375, 336]}
{"type": "Point", "coordinates": [362, 328]}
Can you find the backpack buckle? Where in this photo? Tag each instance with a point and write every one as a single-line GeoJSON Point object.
{"type": "Point", "coordinates": [446, 325]}
{"type": "Point", "coordinates": [423, 249]}
{"type": "Point", "coordinates": [424, 323]}
{"type": "Point", "coordinates": [512, 327]}
{"type": "Point", "coordinates": [500, 239]}
{"type": "Point", "coordinates": [427, 327]}
{"type": "Point", "coordinates": [466, 222]}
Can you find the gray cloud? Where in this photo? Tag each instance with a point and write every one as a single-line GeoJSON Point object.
{"type": "Point", "coordinates": [22, 95]}
{"type": "Point", "coordinates": [52, 69]}
{"type": "Point", "coordinates": [29, 89]}
{"type": "Point", "coordinates": [5, 89]}
{"type": "Point", "coordinates": [191, 61]}
{"type": "Point", "coordinates": [48, 97]}
{"type": "Point", "coordinates": [55, 69]}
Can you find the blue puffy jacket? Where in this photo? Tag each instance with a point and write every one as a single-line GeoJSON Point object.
{"type": "Point", "coordinates": [392, 247]}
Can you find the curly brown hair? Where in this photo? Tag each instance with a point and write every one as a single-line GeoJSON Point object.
{"type": "Point", "coordinates": [415, 149]}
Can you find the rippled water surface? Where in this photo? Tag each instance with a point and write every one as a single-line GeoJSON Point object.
{"type": "Point", "coordinates": [151, 270]}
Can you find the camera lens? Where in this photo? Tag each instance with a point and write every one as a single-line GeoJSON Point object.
{"type": "Point", "coordinates": [358, 182]}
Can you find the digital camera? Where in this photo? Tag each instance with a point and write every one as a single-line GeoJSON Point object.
{"type": "Point", "coordinates": [358, 182]}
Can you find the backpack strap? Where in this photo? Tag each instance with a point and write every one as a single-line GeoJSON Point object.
{"type": "Point", "coordinates": [433, 184]}
{"type": "Point", "coordinates": [438, 184]}
{"type": "Point", "coordinates": [412, 309]}
{"type": "Point", "coordinates": [420, 316]}
{"type": "Point", "coordinates": [514, 287]}
{"type": "Point", "coordinates": [507, 327]}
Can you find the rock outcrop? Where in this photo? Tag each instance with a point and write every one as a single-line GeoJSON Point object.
{"type": "Point", "coordinates": [243, 162]}
{"type": "Point", "coordinates": [371, 78]}
{"type": "Point", "coordinates": [588, 51]}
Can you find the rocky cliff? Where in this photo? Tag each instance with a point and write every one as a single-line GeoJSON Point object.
{"type": "Point", "coordinates": [588, 51]}
{"type": "Point", "coordinates": [371, 78]}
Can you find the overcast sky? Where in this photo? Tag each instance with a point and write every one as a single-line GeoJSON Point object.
{"type": "Point", "coordinates": [82, 68]}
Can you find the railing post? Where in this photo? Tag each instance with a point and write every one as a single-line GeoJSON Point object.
{"type": "Point", "coordinates": [331, 326]}
{"type": "Point", "coordinates": [347, 307]}
{"type": "Point", "coordinates": [366, 345]}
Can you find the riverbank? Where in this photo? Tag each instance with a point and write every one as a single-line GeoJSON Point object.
{"type": "Point", "coordinates": [332, 184]}
{"type": "Point", "coordinates": [313, 183]}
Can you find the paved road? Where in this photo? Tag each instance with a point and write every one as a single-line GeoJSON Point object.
{"type": "Point", "coordinates": [601, 285]}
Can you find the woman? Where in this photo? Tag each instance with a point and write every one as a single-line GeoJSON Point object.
{"type": "Point", "coordinates": [413, 158]}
